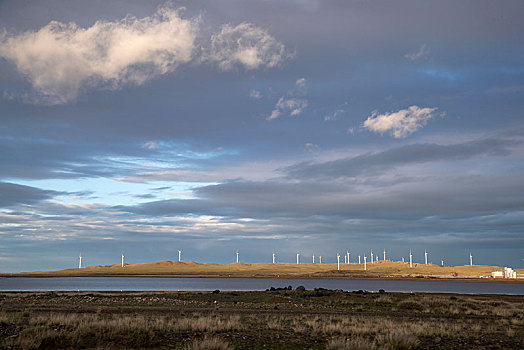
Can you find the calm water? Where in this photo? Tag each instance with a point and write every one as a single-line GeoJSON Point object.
{"type": "Point", "coordinates": [239, 284]}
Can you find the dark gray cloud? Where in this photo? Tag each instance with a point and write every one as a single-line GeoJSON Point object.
{"type": "Point", "coordinates": [399, 156]}
{"type": "Point", "coordinates": [452, 196]}
{"type": "Point", "coordinates": [145, 196]}
{"type": "Point", "coordinates": [13, 194]}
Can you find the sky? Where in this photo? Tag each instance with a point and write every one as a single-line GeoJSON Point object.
{"type": "Point", "coordinates": [286, 126]}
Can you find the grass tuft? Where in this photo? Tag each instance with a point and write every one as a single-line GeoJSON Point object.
{"type": "Point", "coordinates": [400, 340]}
{"type": "Point", "coordinates": [353, 343]}
{"type": "Point", "coordinates": [209, 343]}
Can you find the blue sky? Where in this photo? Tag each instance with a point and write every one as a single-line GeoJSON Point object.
{"type": "Point", "coordinates": [265, 126]}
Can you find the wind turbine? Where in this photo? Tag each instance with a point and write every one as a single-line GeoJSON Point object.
{"type": "Point", "coordinates": [237, 256]}
{"type": "Point", "coordinates": [320, 259]}
{"type": "Point", "coordinates": [345, 259]}
{"type": "Point", "coordinates": [365, 266]}
{"type": "Point", "coordinates": [441, 262]}
{"type": "Point", "coordinates": [376, 257]}
{"type": "Point", "coordinates": [372, 256]}
{"type": "Point", "coordinates": [348, 256]}
{"type": "Point", "coordinates": [338, 261]}
{"type": "Point", "coordinates": [410, 259]}
{"type": "Point", "coordinates": [297, 258]}
{"type": "Point", "coordinates": [273, 258]}
{"type": "Point", "coordinates": [179, 255]}
{"type": "Point", "coordinates": [359, 259]}
{"type": "Point", "coordinates": [80, 261]}
{"type": "Point", "coordinates": [384, 253]}
{"type": "Point", "coordinates": [122, 259]}
{"type": "Point", "coordinates": [313, 258]}
{"type": "Point", "coordinates": [425, 256]}
{"type": "Point", "coordinates": [470, 259]}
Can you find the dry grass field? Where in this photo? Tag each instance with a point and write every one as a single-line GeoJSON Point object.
{"type": "Point", "coordinates": [380, 269]}
{"type": "Point", "coordinates": [277, 319]}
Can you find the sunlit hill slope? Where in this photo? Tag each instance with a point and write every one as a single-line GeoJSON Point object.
{"type": "Point", "coordinates": [379, 269]}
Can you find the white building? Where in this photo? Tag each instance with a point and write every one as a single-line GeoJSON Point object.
{"type": "Point", "coordinates": [509, 273]}
{"type": "Point", "coordinates": [506, 273]}
{"type": "Point", "coordinates": [497, 274]}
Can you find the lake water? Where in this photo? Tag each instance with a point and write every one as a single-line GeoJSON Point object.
{"type": "Point", "coordinates": [245, 284]}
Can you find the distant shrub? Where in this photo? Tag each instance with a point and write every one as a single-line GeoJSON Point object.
{"type": "Point", "coordinates": [209, 343]}
{"type": "Point", "coordinates": [410, 305]}
{"type": "Point", "coordinates": [353, 343]}
{"type": "Point", "coordinates": [384, 299]}
{"type": "Point", "coordinates": [401, 340]}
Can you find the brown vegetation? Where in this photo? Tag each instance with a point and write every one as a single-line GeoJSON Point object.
{"type": "Point", "coordinates": [245, 320]}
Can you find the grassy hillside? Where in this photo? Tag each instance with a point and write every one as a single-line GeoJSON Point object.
{"type": "Point", "coordinates": [186, 268]}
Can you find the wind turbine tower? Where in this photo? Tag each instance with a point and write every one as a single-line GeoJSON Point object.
{"type": "Point", "coordinates": [80, 261]}
{"type": "Point", "coordinates": [313, 258]}
{"type": "Point", "coordinates": [425, 256]}
{"type": "Point", "coordinates": [384, 254]}
{"type": "Point", "coordinates": [470, 259]}
{"type": "Point", "coordinates": [273, 258]}
{"type": "Point", "coordinates": [320, 259]}
{"type": "Point", "coordinates": [441, 262]}
{"type": "Point", "coordinates": [410, 259]}
{"type": "Point", "coordinates": [237, 256]}
{"type": "Point", "coordinates": [179, 255]}
{"type": "Point", "coordinates": [359, 259]}
{"type": "Point", "coordinates": [338, 262]}
{"type": "Point", "coordinates": [372, 256]}
{"type": "Point", "coordinates": [122, 259]}
{"type": "Point", "coordinates": [345, 259]}
{"type": "Point", "coordinates": [297, 258]}
{"type": "Point", "coordinates": [347, 253]}
{"type": "Point", "coordinates": [365, 265]}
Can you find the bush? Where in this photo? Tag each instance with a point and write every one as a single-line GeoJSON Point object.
{"type": "Point", "coordinates": [353, 343]}
{"type": "Point", "coordinates": [398, 340]}
{"type": "Point", "coordinates": [209, 343]}
{"type": "Point", "coordinates": [410, 305]}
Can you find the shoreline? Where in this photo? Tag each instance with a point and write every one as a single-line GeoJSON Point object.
{"type": "Point", "coordinates": [272, 277]}
{"type": "Point", "coordinates": [109, 293]}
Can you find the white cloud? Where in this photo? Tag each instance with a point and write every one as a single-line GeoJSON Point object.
{"type": "Point", "coordinates": [301, 84]}
{"type": "Point", "coordinates": [255, 94]}
{"type": "Point", "coordinates": [421, 54]}
{"type": "Point", "coordinates": [295, 106]}
{"type": "Point", "coordinates": [274, 114]}
{"type": "Point", "coordinates": [150, 145]}
{"type": "Point", "coordinates": [245, 45]}
{"type": "Point", "coordinates": [293, 103]}
{"type": "Point", "coordinates": [334, 115]}
{"type": "Point", "coordinates": [311, 147]}
{"type": "Point", "coordinates": [400, 124]}
{"type": "Point", "coordinates": [61, 59]}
